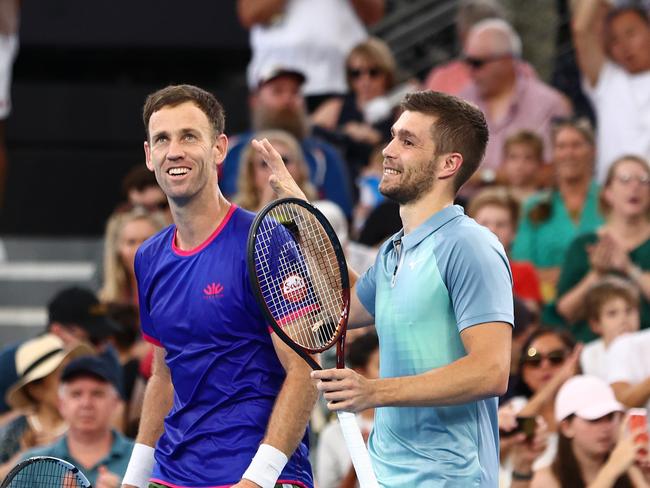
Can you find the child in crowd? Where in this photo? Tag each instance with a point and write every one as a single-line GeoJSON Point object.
{"type": "Point", "coordinates": [497, 210]}
{"type": "Point", "coordinates": [523, 164]}
{"type": "Point", "coordinates": [612, 306]}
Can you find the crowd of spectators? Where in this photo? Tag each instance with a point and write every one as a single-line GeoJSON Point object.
{"type": "Point", "coordinates": [569, 202]}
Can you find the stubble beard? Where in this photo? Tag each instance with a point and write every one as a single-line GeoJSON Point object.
{"type": "Point", "coordinates": [414, 184]}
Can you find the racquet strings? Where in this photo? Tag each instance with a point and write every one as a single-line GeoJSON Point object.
{"type": "Point", "coordinates": [45, 473]}
{"type": "Point", "coordinates": [299, 276]}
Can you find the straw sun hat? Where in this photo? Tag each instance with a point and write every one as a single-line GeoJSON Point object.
{"type": "Point", "coordinates": [36, 359]}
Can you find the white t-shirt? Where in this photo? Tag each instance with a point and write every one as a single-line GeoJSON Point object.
{"type": "Point", "coordinates": [8, 51]}
{"type": "Point", "coordinates": [312, 36]}
{"type": "Point", "coordinates": [593, 359]}
{"type": "Point", "coordinates": [544, 460]}
{"type": "Point", "coordinates": [622, 104]}
{"type": "Point", "coordinates": [628, 358]}
{"type": "Point", "coordinates": [332, 457]}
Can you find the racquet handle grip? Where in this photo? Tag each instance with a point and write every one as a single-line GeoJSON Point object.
{"type": "Point", "coordinates": [357, 449]}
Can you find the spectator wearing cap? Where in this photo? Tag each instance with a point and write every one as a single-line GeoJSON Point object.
{"type": "Point", "coordinates": [88, 395]}
{"type": "Point", "coordinates": [590, 450]}
{"type": "Point", "coordinates": [510, 101]}
{"type": "Point", "coordinates": [75, 316]}
{"type": "Point", "coordinates": [277, 103]}
{"type": "Point", "coordinates": [39, 363]}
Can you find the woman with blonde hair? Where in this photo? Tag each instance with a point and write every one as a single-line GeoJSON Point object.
{"type": "Point", "coordinates": [371, 74]}
{"type": "Point", "coordinates": [125, 230]}
{"type": "Point", "coordinates": [253, 189]}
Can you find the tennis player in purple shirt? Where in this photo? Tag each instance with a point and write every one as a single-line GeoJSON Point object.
{"type": "Point", "coordinates": [228, 402]}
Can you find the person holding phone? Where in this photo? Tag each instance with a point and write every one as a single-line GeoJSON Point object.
{"type": "Point", "coordinates": [598, 447]}
{"type": "Point", "coordinates": [547, 359]}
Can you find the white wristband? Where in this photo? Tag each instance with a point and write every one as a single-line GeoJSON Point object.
{"type": "Point", "coordinates": [266, 466]}
{"type": "Point", "coordinates": [140, 466]}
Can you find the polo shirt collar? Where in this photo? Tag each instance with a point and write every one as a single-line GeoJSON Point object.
{"type": "Point", "coordinates": [425, 229]}
{"type": "Point", "coordinates": [118, 447]}
{"type": "Point", "coordinates": [60, 448]}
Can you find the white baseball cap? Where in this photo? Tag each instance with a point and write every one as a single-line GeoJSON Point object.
{"type": "Point", "coordinates": [586, 396]}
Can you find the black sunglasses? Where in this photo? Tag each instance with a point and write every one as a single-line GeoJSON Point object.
{"type": "Point", "coordinates": [478, 63]}
{"type": "Point", "coordinates": [535, 358]}
{"type": "Point", "coordinates": [355, 73]}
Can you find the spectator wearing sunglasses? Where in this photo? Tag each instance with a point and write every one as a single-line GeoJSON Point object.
{"type": "Point", "coordinates": [613, 53]}
{"type": "Point", "coordinates": [371, 72]}
{"type": "Point", "coordinates": [548, 358]}
{"type": "Point", "coordinates": [253, 189]}
{"type": "Point", "coordinates": [509, 100]}
{"type": "Point", "coordinates": [452, 77]}
{"type": "Point", "coordinates": [619, 247]}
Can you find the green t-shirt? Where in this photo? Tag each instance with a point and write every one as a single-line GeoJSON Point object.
{"type": "Point", "coordinates": [576, 266]}
{"type": "Point", "coordinates": [545, 243]}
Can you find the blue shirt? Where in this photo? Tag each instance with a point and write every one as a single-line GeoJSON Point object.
{"type": "Point", "coordinates": [199, 306]}
{"type": "Point", "coordinates": [327, 170]}
{"type": "Point", "coordinates": [116, 461]}
{"type": "Point", "coordinates": [448, 274]}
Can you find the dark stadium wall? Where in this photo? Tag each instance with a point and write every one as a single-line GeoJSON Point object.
{"type": "Point", "coordinates": [80, 80]}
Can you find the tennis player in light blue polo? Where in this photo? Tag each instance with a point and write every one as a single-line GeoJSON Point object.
{"type": "Point", "coordinates": [425, 288]}
{"type": "Point", "coordinates": [440, 295]}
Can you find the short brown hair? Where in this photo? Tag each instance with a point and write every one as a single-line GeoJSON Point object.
{"type": "Point", "coordinates": [174, 95]}
{"type": "Point", "coordinates": [497, 197]}
{"type": "Point", "coordinates": [605, 290]}
{"type": "Point", "coordinates": [528, 138]}
{"type": "Point", "coordinates": [460, 127]}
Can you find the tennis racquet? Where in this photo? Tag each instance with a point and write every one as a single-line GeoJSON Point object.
{"type": "Point", "coordinates": [299, 275]}
{"type": "Point", "coordinates": [45, 472]}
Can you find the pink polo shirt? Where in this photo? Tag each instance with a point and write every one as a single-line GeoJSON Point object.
{"type": "Point", "coordinates": [533, 107]}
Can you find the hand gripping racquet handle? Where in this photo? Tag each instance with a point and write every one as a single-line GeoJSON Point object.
{"type": "Point", "coordinates": [357, 449]}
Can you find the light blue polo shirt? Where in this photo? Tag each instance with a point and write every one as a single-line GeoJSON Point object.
{"type": "Point", "coordinates": [424, 289]}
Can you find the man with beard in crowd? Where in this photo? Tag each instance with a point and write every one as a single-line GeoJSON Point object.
{"type": "Point", "coordinates": [278, 103]}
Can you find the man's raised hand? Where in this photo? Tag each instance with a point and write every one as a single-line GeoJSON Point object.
{"type": "Point", "coordinates": [280, 179]}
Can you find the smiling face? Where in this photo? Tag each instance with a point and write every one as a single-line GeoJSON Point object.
{"type": "Point", "coordinates": [573, 155]}
{"type": "Point", "coordinates": [409, 161]}
{"type": "Point", "coordinates": [183, 152]}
